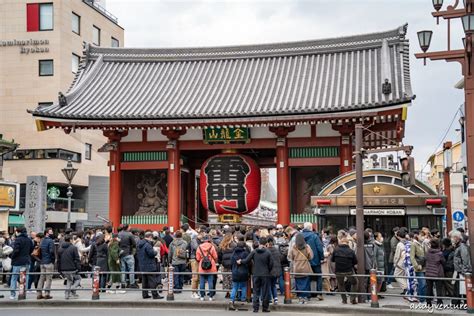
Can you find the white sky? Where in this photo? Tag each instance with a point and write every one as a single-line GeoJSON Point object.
{"type": "Point", "coordinates": [175, 23]}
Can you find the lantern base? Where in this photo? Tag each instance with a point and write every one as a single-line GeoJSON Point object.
{"type": "Point", "coordinates": [230, 218]}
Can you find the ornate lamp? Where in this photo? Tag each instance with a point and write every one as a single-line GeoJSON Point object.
{"type": "Point", "coordinates": [69, 172]}
{"type": "Point", "coordinates": [424, 38]}
{"type": "Point", "coordinates": [437, 4]}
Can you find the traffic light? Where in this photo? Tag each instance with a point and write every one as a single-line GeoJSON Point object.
{"type": "Point", "coordinates": [408, 171]}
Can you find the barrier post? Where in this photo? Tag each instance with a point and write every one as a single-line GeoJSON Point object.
{"type": "Point", "coordinates": [96, 284]}
{"type": "Point", "coordinates": [170, 296]}
{"type": "Point", "coordinates": [287, 278]}
{"type": "Point", "coordinates": [22, 288]}
{"type": "Point", "coordinates": [374, 298]}
{"type": "Point", "coordinates": [469, 293]}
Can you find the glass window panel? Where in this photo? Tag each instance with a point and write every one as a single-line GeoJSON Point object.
{"type": "Point", "coordinates": [75, 63]}
{"type": "Point", "coordinates": [115, 42]}
{"type": "Point", "coordinates": [46, 16]}
{"type": "Point", "coordinates": [96, 35]}
{"type": "Point", "coordinates": [46, 68]}
{"type": "Point", "coordinates": [76, 23]}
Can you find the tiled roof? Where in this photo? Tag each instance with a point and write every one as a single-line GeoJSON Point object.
{"type": "Point", "coordinates": [308, 77]}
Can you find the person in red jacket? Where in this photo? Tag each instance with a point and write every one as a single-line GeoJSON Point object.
{"type": "Point", "coordinates": [206, 255]}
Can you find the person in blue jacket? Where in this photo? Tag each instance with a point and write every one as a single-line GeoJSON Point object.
{"type": "Point", "coordinates": [314, 241]}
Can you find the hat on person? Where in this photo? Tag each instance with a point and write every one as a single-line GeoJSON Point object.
{"type": "Point", "coordinates": [279, 226]}
{"type": "Point", "coordinates": [352, 232]}
{"type": "Point", "coordinates": [206, 238]}
{"type": "Point", "coordinates": [155, 234]}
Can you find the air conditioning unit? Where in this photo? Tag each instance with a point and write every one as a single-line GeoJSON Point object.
{"type": "Point", "coordinates": [441, 211]}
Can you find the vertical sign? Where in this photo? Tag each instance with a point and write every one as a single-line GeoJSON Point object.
{"type": "Point", "coordinates": [35, 207]}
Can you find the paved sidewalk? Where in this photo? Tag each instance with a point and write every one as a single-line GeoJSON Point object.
{"type": "Point", "coordinates": [330, 304]}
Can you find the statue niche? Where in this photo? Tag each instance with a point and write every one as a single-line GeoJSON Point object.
{"type": "Point", "coordinates": [152, 194]}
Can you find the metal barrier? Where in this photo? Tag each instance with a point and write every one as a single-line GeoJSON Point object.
{"type": "Point", "coordinates": [373, 290]}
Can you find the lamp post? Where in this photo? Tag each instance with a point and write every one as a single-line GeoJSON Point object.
{"type": "Point", "coordinates": [69, 172]}
{"type": "Point", "coordinates": [464, 57]}
{"type": "Point", "coordinates": [448, 162]}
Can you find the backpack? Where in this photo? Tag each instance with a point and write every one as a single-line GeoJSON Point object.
{"type": "Point", "coordinates": [180, 252]}
{"type": "Point", "coordinates": [206, 263]}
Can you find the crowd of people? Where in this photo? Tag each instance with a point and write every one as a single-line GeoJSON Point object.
{"type": "Point", "coordinates": [238, 257]}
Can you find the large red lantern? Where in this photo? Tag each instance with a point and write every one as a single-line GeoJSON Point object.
{"type": "Point", "coordinates": [230, 184]}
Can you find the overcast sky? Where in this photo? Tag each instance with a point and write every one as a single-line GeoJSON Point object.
{"type": "Point", "coordinates": [202, 23]}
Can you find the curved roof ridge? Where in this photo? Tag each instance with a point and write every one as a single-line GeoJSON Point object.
{"type": "Point", "coordinates": [281, 47]}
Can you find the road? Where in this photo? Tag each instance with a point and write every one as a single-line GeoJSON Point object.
{"type": "Point", "coordinates": [127, 312]}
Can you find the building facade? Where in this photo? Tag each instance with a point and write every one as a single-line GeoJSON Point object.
{"type": "Point", "coordinates": [289, 106]}
{"type": "Point", "coordinates": [41, 46]}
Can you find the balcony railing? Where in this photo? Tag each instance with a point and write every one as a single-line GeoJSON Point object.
{"type": "Point", "coordinates": [94, 4]}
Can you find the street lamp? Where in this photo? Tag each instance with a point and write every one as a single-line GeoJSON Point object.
{"type": "Point", "coordinates": [437, 4]}
{"type": "Point", "coordinates": [468, 23]}
{"type": "Point", "coordinates": [69, 172]}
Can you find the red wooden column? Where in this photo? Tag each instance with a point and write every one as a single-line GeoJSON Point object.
{"type": "Point", "coordinates": [191, 197]}
{"type": "Point", "coordinates": [346, 154]}
{"type": "Point", "coordinates": [174, 178]}
{"type": "Point", "coordinates": [283, 174]}
{"type": "Point", "coordinates": [345, 149]}
{"type": "Point", "coordinates": [115, 177]}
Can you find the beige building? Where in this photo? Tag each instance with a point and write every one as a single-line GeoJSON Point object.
{"type": "Point", "coordinates": [457, 175]}
{"type": "Point", "coordinates": [41, 42]}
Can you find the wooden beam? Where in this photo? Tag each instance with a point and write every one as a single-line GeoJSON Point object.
{"type": "Point", "coordinates": [144, 165]}
{"type": "Point", "coordinates": [314, 162]}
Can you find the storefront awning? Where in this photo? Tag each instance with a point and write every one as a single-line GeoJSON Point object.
{"type": "Point", "coordinates": [15, 220]}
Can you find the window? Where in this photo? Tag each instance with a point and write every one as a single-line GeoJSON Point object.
{"type": "Point", "coordinates": [56, 153]}
{"type": "Point", "coordinates": [75, 62]}
{"type": "Point", "coordinates": [88, 152]}
{"type": "Point", "coordinates": [46, 67]}
{"type": "Point", "coordinates": [95, 35]}
{"type": "Point", "coordinates": [76, 23]}
{"type": "Point", "coordinates": [115, 42]}
{"type": "Point", "coordinates": [39, 17]}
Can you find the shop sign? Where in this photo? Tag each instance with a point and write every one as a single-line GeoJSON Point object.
{"type": "Point", "coordinates": [381, 212]}
{"type": "Point", "coordinates": [29, 46]}
{"type": "Point", "coordinates": [53, 192]}
{"type": "Point", "coordinates": [9, 196]}
{"type": "Point", "coordinates": [226, 135]}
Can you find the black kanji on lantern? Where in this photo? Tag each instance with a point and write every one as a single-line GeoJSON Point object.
{"type": "Point", "coordinates": [226, 183]}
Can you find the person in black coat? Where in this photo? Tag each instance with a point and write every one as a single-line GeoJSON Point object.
{"type": "Point", "coordinates": [22, 248]}
{"type": "Point", "coordinates": [148, 263]}
{"type": "Point", "coordinates": [98, 257]}
{"type": "Point", "coordinates": [262, 267]}
{"type": "Point", "coordinates": [448, 254]}
{"type": "Point", "coordinates": [276, 270]}
{"type": "Point", "coordinates": [69, 265]}
{"type": "Point", "coordinates": [240, 273]}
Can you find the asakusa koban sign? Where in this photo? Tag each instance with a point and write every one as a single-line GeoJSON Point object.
{"type": "Point", "coordinates": [230, 184]}
{"type": "Point", "coordinates": [33, 45]}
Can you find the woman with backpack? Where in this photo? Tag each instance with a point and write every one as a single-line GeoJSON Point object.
{"type": "Point", "coordinates": [206, 255]}
{"type": "Point", "coordinates": [240, 274]}
{"type": "Point", "coordinates": [300, 256]}
{"type": "Point", "coordinates": [226, 249]}
{"type": "Point", "coordinates": [276, 269]}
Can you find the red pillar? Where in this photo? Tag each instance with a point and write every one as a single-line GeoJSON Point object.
{"type": "Point", "coordinates": [174, 179]}
{"type": "Point", "coordinates": [191, 196]}
{"type": "Point", "coordinates": [283, 174]}
{"type": "Point", "coordinates": [346, 154]}
{"type": "Point", "coordinates": [283, 184]}
{"type": "Point", "coordinates": [115, 178]}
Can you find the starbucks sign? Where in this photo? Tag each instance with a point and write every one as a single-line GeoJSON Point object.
{"type": "Point", "coordinates": [53, 192]}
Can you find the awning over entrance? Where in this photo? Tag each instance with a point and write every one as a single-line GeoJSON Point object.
{"type": "Point", "coordinates": [384, 195]}
{"type": "Point", "coordinates": [302, 81]}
